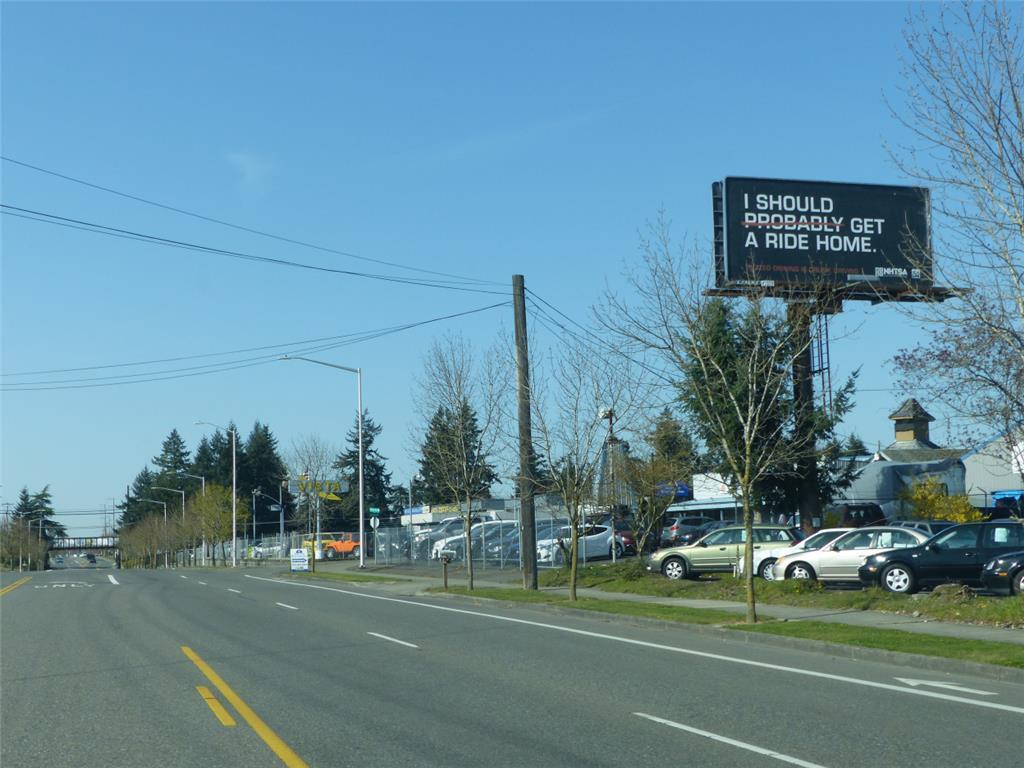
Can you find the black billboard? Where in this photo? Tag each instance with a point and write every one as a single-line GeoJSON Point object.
{"type": "Point", "coordinates": [814, 234]}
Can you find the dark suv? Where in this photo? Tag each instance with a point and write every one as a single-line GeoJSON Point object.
{"type": "Point", "coordinates": [673, 526]}
{"type": "Point", "coordinates": [957, 554]}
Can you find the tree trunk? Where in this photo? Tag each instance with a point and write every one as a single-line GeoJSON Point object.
{"type": "Point", "coordinates": [748, 557]}
{"type": "Point", "coordinates": [574, 558]}
{"type": "Point", "coordinates": [469, 540]}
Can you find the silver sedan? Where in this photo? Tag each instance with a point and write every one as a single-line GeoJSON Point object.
{"type": "Point", "coordinates": [840, 560]}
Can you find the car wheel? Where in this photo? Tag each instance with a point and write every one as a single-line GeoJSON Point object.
{"type": "Point", "coordinates": [899, 579]}
{"type": "Point", "coordinates": [1017, 583]}
{"type": "Point", "coordinates": [800, 571]}
{"type": "Point", "coordinates": [674, 568]}
{"type": "Point", "coordinates": [618, 550]}
{"type": "Point", "coordinates": [765, 571]}
{"type": "Point", "coordinates": [355, 552]}
{"type": "Point", "coordinates": [330, 554]}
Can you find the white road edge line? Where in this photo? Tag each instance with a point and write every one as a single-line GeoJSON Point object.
{"type": "Point", "coordinates": [731, 742]}
{"type": "Point", "coordinates": [947, 686]}
{"type": "Point", "coordinates": [203, 583]}
{"type": "Point", "coordinates": [112, 579]}
{"type": "Point", "coordinates": [285, 605]}
{"type": "Point", "coordinates": [674, 649]}
{"type": "Point", "coordinates": [182, 577]}
{"type": "Point", "coordinates": [236, 591]}
{"type": "Point", "coordinates": [393, 640]}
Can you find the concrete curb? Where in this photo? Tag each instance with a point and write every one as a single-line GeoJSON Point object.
{"type": "Point", "coordinates": [837, 650]}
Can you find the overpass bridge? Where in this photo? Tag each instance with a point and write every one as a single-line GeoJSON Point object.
{"type": "Point", "coordinates": [83, 543]}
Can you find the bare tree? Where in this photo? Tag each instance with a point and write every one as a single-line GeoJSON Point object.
{"type": "Point", "coordinates": [462, 404]}
{"type": "Point", "coordinates": [741, 403]}
{"type": "Point", "coordinates": [963, 83]}
{"type": "Point", "coordinates": [570, 392]}
{"type": "Point", "coordinates": [311, 459]}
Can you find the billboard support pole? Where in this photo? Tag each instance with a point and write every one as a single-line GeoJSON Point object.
{"type": "Point", "coordinates": [800, 316]}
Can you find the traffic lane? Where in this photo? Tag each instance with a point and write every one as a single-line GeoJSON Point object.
{"type": "Point", "coordinates": [87, 680]}
{"type": "Point", "coordinates": [307, 594]}
{"type": "Point", "coordinates": [472, 657]}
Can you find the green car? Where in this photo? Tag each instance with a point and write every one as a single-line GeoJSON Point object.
{"type": "Point", "coordinates": [719, 551]}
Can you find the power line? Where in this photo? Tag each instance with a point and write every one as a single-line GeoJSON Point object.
{"type": "Point", "coordinates": [103, 229]}
{"type": "Point", "coordinates": [240, 227]}
{"type": "Point", "coordinates": [541, 312]}
{"type": "Point", "coordinates": [180, 373]}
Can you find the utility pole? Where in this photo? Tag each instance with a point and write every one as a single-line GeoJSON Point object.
{"type": "Point", "coordinates": [803, 399]}
{"type": "Point", "coordinates": [527, 529]}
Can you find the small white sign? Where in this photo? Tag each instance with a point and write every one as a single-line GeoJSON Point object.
{"type": "Point", "coordinates": [374, 522]}
{"type": "Point", "coordinates": [300, 559]}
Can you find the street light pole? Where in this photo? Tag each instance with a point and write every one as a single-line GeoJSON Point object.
{"type": "Point", "coordinates": [234, 490]}
{"type": "Point", "coordinates": [200, 478]}
{"type": "Point", "coordinates": [359, 404]}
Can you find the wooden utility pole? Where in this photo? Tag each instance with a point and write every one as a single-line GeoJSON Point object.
{"type": "Point", "coordinates": [803, 401]}
{"type": "Point", "coordinates": [527, 529]}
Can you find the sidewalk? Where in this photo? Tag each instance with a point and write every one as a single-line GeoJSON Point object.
{"type": "Point", "coordinates": [420, 578]}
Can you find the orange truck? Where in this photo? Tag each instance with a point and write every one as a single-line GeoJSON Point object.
{"type": "Point", "coordinates": [340, 545]}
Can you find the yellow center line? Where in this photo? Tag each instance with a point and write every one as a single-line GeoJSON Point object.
{"type": "Point", "coordinates": [271, 739]}
{"type": "Point", "coordinates": [15, 585]}
{"type": "Point", "coordinates": [216, 706]}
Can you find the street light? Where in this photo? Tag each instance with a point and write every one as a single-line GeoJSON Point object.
{"type": "Point", "coordinates": [175, 490]}
{"type": "Point", "coordinates": [164, 505]}
{"type": "Point", "coordinates": [359, 396]}
{"type": "Point", "coordinates": [279, 502]}
{"type": "Point", "coordinates": [200, 478]}
{"type": "Point", "coordinates": [234, 490]}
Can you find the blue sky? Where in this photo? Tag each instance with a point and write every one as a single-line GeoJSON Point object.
{"type": "Point", "coordinates": [480, 140]}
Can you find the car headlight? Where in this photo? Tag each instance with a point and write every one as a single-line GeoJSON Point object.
{"type": "Point", "coordinates": [993, 564]}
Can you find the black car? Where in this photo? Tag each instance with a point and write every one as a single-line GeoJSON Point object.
{"type": "Point", "coordinates": [90, 557]}
{"type": "Point", "coordinates": [957, 554]}
{"type": "Point", "coordinates": [1005, 574]}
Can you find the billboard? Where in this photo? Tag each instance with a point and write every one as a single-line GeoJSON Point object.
{"type": "Point", "coordinates": [799, 234]}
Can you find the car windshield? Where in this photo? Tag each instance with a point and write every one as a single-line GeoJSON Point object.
{"type": "Point", "coordinates": [820, 539]}
{"type": "Point", "coordinates": [961, 537]}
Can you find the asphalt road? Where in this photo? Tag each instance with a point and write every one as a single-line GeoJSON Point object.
{"type": "Point", "coordinates": [101, 673]}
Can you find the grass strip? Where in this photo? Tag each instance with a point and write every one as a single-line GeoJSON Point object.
{"type": "Point", "coordinates": [982, 651]}
{"type": "Point", "coordinates": [346, 576]}
{"type": "Point", "coordinates": [675, 613]}
{"type": "Point", "coordinates": [629, 577]}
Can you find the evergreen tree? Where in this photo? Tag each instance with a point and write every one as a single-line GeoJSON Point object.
{"type": "Point", "coordinates": [173, 459]}
{"type": "Point", "coordinates": [376, 478]}
{"type": "Point", "coordinates": [132, 510]}
{"type": "Point", "coordinates": [431, 488]}
{"type": "Point", "coordinates": [450, 458]}
{"type": "Point", "coordinates": [266, 472]}
{"type": "Point", "coordinates": [669, 442]}
{"type": "Point", "coordinates": [36, 510]}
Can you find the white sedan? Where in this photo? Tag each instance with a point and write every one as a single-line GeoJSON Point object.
{"type": "Point", "coordinates": [764, 559]}
{"type": "Point", "coordinates": [840, 560]}
{"type": "Point", "coordinates": [595, 541]}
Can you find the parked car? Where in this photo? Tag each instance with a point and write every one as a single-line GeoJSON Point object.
{"type": "Point", "coordinates": [718, 551]}
{"type": "Point", "coordinates": [699, 533]}
{"type": "Point", "coordinates": [674, 526]}
{"type": "Point", "coordinates": [840, 560]}
{"type": "Point", "coordinates": [594, 541]}
{"type": "Point", "coordinates": [480, 534]}
{"type": "Point", "coordinates": [931, 527]}
{"type": "Point", "coordinates": [1005, 574]}
{"type": "Point", "coordinates": [764, 559]}
{"type": "Point", "coordinates": [858, 515]}
{"type": "Point", "coordinates": [423, 542]}
{"type": "Point", "coordinates": [958, 554]}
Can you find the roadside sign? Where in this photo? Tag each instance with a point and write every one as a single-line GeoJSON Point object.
{"type": "Point", "coordinates": [374, 522]}
{"type": "Point", "coordinates": [300, 559]}
{"type": "Point", "coordinates": [375, 511]}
